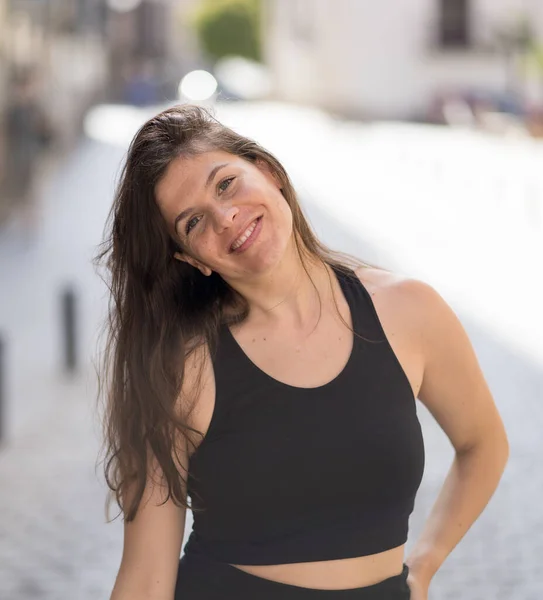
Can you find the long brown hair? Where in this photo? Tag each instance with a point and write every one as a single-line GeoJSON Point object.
{"type": "Point", "coordinates": [160, 308]}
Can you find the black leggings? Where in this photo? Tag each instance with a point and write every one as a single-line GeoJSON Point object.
{"type": "Point", "coordinates": [200, 579]}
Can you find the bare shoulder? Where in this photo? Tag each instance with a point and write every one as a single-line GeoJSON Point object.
{"type": "Point", "coordinates": [407, 296]}
{"type": "Point", "coordinates": [446, 374]}
{"type": "Point", "coordinates": [416, 319]}
{"type": "Point", "coordinates": [382, 278]}
{"type": "Point", "coordinates": [415, 301]}
{"type": "Point", "coordinates": [402, 304]}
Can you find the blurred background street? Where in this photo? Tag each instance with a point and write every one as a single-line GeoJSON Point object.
{"type": "Point", "coordinates": [413, 135]}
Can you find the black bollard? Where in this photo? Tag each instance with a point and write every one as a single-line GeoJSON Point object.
{"type": "Point", "coordinates": [2, 387]}
{"type": "Point", "coordinates": [69, 331]}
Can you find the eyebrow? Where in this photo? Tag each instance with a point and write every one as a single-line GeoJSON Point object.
{"type": "Point", "coordinates": [209, 179]}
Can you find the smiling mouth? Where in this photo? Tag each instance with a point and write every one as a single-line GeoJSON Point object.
{"type": "Point", "coordinates": [245, 235]}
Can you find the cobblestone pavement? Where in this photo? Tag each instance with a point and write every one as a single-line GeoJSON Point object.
{"type": "Point", "coordinates": [54, 541]}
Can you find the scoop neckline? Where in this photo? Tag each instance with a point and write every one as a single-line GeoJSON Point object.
{"type": "Point", "coordinates": [327, 384]}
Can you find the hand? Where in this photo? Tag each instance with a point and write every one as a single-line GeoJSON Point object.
{"type": "Point", "coordinates": [418, 587]}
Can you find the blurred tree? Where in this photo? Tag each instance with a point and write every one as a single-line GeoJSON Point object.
{"type": "Point", "coordinates": [515, 39]}
{"type": "Point", "coordinates": [537, 56]}
{"type": "Point", "coordinates": [229, 27]}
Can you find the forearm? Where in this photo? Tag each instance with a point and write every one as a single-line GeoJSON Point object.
{"type": "Point", "coordinates": [131, 593]}
{"type": "Point", "coordinates": [125, 592]}
{"type": "Point", "coordinates": [470, 483]}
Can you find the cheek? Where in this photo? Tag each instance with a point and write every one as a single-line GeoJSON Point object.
{"type": "Point", "coordinates": [280, 224]}
{"type": "Point", "coordinates": [198, 247]}
{"type": "Point", "coordinates": [286, 214]}
{"type": "Point", "coordinates": [207, 249]}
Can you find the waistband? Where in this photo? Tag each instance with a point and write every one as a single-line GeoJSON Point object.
{"type": "Point", "coordinates": [205, 579]}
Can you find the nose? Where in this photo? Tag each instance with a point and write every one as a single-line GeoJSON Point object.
{"type": "Point", "coordinates": [224, 216]}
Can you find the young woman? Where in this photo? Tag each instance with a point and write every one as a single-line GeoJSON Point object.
{"type": "Point", "coordinates": [273, 381]}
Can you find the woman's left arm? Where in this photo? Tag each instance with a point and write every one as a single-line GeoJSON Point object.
{"type": "Point", "coordinates": [455, 392]}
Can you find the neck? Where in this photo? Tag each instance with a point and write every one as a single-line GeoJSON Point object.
{"type": "Point", "coordinates": [287, 294]}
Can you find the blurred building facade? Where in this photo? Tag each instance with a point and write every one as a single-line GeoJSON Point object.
{"type": "Point", "coordinates": [390, 59]}
{"type": "Point", "coordinates": [52, 69]}
{"type": "Point", "coordinates": [59, 42]}
{"type": "Point", "coordinates": [151, 46]}
{"type": "Point", "coordinates": [3, 89]}
{"type": "Point", "coordinates": [59, 57]}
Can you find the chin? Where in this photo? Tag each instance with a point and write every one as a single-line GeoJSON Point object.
{"type": "Point", "coordinates": [271, 259]}
{"type": "Point", "coordinates": [260, 260]}
{"type": "Point", "coordinates": [256, 266]}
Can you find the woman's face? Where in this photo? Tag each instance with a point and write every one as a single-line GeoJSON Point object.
{"type": "Point", "coordinates": [228, 214]}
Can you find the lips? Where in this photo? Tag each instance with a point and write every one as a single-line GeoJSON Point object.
{"type": "Point", "coordinates": [244, 234]}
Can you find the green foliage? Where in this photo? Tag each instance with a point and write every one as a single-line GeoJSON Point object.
{"type": "Point", "coordinates": [537, 56]}
{"type": "Point", "coordinates": [229, 27]}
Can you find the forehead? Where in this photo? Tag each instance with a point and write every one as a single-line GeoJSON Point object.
{"type": "Point", "coordinates": [185, 178]}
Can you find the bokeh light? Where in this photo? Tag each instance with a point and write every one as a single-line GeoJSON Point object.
{"type": "Point", "coordinates": [197, 86]}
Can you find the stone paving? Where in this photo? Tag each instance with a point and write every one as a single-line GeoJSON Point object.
{"type": "Point", "coordinates": [54, 541]}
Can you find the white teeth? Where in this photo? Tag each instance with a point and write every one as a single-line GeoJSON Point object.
{"type": "Point", "coordinates": [244, 236]}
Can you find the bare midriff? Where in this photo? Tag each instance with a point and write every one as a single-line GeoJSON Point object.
{"type": "Point", "coordinates": [345, 573]}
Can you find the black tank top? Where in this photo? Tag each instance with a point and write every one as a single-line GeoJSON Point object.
{"type": "Point", "coordinates": [288, 474]}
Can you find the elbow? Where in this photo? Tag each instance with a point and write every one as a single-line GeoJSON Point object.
{"type": "Point", "coordinates": [501, 455]}
{"type": "Point", "coordinates": [493, 449]}
{"type": "Point", "coordinates": [501, 447]}
{"type": "Point", "coordinates": [506, 448]}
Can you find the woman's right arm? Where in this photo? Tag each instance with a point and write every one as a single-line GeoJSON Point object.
{"type": "Point", "coordinates": [151, 549]}
{"type": "Point", "coordinates": [152, 541]}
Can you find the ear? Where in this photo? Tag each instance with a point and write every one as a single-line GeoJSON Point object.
{"type": "Point", "coordinates": [193, 262]}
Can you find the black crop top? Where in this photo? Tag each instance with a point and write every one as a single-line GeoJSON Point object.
{"type": "Point", "coordinates": [288, 474]}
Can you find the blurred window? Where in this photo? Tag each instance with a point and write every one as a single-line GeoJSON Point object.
{"type": "Point", "coordinates": [454, 25]}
